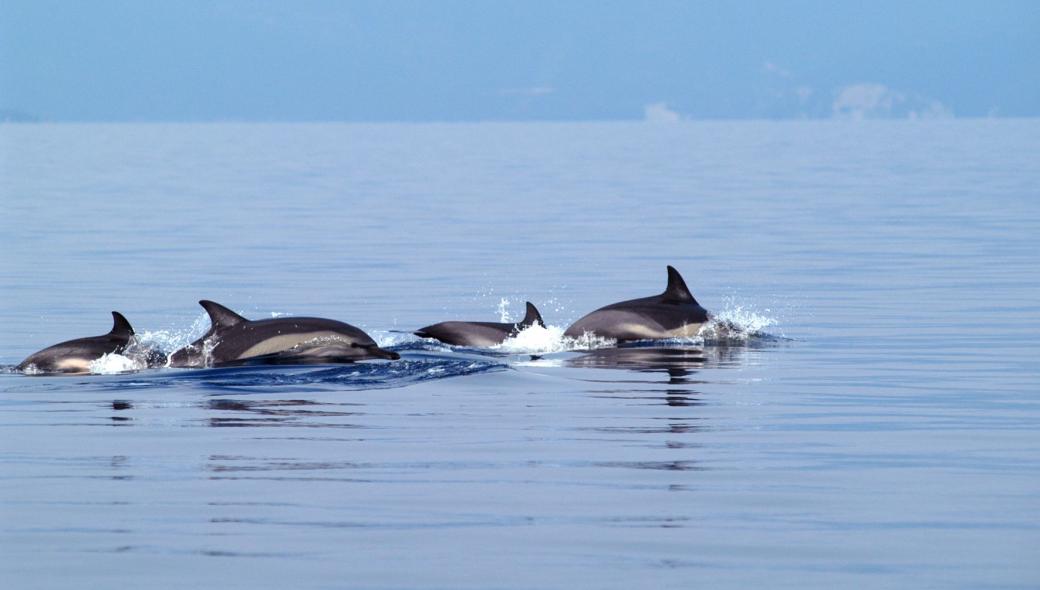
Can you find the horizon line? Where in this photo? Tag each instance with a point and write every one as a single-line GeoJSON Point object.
{"type": "Point", "coordinates": [642, 120]}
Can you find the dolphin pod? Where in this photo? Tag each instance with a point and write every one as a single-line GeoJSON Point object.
{"type": "Point", "coordinates": [234, 340]}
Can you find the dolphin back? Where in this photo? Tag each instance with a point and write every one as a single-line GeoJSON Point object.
{"type": "Point", "coordinates": [121, 328]}
{"type": "Point", "coordinates": [75, 356]}
{"type": "Point", "coordinates": [479, 334]}
{"type": "Point", "coordinates": [219, 316]}
{"type": "Point", "coordinates": [532, 316]}
{"type": "Point", "coordinates": [232, 339]}
{"type": "Point", "coordinates": [677, 291]}
{"type": "Point", "coordinates": [674, 313]}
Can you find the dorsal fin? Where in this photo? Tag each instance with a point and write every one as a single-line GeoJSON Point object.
{"type": "Point", "coordinates": [677, 292]}
{"type": "Point", "coordinates": [532, 316]}
{"type": "Point", "coordinates": [220, 316]}
{"type": "Point", "coordinates": [120, 327]}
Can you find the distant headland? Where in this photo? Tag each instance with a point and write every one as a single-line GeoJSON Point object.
{"type": "Point", "coordinates": [16, 116]}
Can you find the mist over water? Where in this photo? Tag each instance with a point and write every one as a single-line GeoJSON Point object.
{"type": "Point", "coordinates": [860, 412]}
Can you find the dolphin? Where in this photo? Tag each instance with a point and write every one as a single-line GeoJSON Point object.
{"type": "Point", "coordinates": [672, 314]}
{"type": "Point", "coordinates": [75, 356]}
{"type": "Point", "coordinates": [232, 339]}
{"type": "Point", "coordinates": [479, 334]}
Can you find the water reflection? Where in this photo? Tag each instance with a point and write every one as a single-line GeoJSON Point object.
{"type": "Point", "coordinates": [672, 428]}
{"type": "Point", "coordinates": [687, 465]}
{"type": "Point", "coordinates": [120, 405]}
{"type": "Point", "coordinates": [119, 464]}
{"type": "Point", "coordinates": [679, 363]}
{"type": "Point", "coordinates": [281, 412]}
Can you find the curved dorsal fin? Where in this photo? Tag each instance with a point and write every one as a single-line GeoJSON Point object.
{"type": "Point", "coordinates": [677, 292]}
{"type": "Point", "coordinates": [532, 316]}
{"type": "Point", "coordinates": [220, 316]}
{"type": "Point", "coordinates": [120, 326]}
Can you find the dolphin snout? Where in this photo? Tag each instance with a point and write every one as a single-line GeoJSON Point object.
{"type": "Point", "coordinates": [383, 353]}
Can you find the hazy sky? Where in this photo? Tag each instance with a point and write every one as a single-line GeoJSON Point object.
{"type": "Point", "coordinates": [501, 60]}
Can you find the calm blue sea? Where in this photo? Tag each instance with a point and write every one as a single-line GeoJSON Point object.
{"type": "Point", "coordinates": [874, 422]}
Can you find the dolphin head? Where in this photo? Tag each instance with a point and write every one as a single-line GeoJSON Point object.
{"type": "Point", "coordinates": [192, 355]}
{"type": "Point", "coordinates": [374, 351]}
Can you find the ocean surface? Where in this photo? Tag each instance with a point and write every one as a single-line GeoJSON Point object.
{"type": "Point", "coordinates": [868, 418]}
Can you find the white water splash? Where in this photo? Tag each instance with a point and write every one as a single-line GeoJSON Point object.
{"type": "Point", "coordinates": [534, 338]}
{"type": "Point", "coordinates": [538, 339]}
{"type": "Point", "coordinates": [737, 323]}
{"type": "Point", "coordinates": [113, 364]}
{"type": "Point", "coordinates": [30, 369]}
{"type": "Point", "coordinates": [171, 340]}
{"type": "Point", "coordinates": [588, 341]}
{"type": "Point", "coordinates": [386, 338]}
{"type": "Point", "coordinates": [503, 311]}
{"type": "Point", "coordinates": [557, 307]}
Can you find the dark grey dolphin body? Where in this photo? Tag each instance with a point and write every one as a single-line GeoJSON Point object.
{"type": "Point", "coordinates": [672, 314]}
{"type": "Point", "coordinates": [75, 356]}
{"type": "Point", "coordinates": [479, 334]}
{"type": "Point", "coordinates": [232, 339]}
